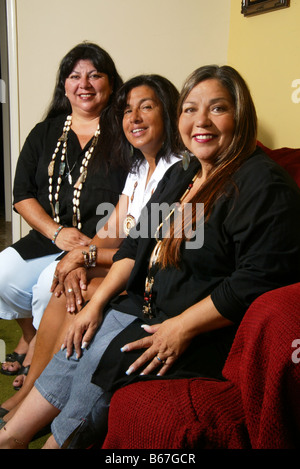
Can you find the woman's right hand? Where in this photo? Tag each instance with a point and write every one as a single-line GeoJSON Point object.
{"type": "Point", "coordinates": [88, 320]}
{"type": "Point", "coordinates": [82, 330]}
{"type": "Point", "coordinates": [70, 238]}
{"type": "Point", "coordinates": [71, 261]}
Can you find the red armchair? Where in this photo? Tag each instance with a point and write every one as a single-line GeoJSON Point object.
{"type": "Point", "coordinates": [257, 407]}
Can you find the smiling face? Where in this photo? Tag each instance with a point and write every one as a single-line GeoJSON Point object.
{"type": "Point", "coordinates": [206, 122]}
{"type": "Point", "coordinates": [87, 89]}
{"type": "Point", "coordinates": [143, 123]}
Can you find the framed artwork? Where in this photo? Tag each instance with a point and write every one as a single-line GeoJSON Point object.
{"type": "Point", "coordinates": [255, 7]}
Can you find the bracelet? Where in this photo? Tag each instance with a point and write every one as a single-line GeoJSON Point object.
{"type": "Point", "coordinates": [90, 258]}
{"type": "Point", "coordinates": [56, 233]}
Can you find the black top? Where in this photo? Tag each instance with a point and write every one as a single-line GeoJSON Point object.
{"type": "Point", "coordinates": [32, 181]}
{"type": "Point", "coordinates": [251, 245]}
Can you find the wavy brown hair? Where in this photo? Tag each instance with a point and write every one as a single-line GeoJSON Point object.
{"type": "Point", "coordinates": [228, 162]}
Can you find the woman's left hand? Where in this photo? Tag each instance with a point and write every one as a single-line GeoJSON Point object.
{"type": "Point", "coordinates": [167, 342]}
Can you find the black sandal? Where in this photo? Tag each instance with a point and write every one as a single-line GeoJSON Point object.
{"type": "Point", "coordinates": [3, 412]}
{"type": "Point", "coordinates": [22, 371]}
{"type": "Point", "coordinates": [10, 358]}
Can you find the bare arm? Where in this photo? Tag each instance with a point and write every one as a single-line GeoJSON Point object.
{"type": "Point", "coordinates": [34, 214]}
{"type": "Point", "coordinates": [108, 240]}
{"type": "Point", "coordinates": [89, 318]}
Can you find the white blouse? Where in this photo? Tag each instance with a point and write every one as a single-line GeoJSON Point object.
{"type": "Point", "coordinates": [137, 191]}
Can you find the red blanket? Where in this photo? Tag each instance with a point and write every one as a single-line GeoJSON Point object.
{"type": "Point", "coordinates": [258, 406]}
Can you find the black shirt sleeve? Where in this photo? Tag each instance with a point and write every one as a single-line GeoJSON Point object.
{"type": "Point", "coordinates": [25, 183]}
{"type": "Point", "coordinates": [264, 226]}
{"type": "Point", "coordinates": [251, 245]}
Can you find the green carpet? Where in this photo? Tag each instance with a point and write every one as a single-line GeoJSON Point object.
{"type": "Point", "coordinates": [10, 333]}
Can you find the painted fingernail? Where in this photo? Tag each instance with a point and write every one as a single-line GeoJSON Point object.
{"type": "Point", "coordinates": [124, 349]}
{"type": "Point", "coordinates": [84, 345]}
{"type": "Point", "coordinates": [130, 370]}
{"type": "Point", "coordinates": [62, 348]}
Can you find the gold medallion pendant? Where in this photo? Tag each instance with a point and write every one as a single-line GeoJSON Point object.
{"type": "Point", "coordinates": [129, 223]}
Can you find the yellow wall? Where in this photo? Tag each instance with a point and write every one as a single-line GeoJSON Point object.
{"type": "Point", "coordinates": [266, 50]}
{"type": "Point", "coordinates": [172, 38]}
{"type": "Point", "coordinates": [169, 37]}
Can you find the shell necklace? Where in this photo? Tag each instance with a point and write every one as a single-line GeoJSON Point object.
{"type": "Point", "coordinates": [148, 311]}
{"type": "Point", "coordinates": [54, 198]}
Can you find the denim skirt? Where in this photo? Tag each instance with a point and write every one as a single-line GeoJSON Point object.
{"type": "Point", "coordinates": [66, 384]}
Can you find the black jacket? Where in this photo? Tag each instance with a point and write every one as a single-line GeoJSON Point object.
{"type": "Point", "coordinates": [251, 245]}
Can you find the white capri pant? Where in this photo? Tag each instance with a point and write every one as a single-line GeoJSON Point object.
{"type": "Point", "coordinates": [25, 285]}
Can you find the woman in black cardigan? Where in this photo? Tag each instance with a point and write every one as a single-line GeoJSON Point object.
{"type": "Point", "coordinates": [186, 293]}
{"type": "Point", "coordinates": [64, 160]}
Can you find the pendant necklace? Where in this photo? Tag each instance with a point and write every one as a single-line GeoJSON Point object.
{"type": "Point", "coordinates": [54, 197]}
{"type": "Point", "coordinates": [69, 172]}
{"type": "Point", "coordinates": [153, 267]}
{"type": "Point", "coordinates": [129, 221]}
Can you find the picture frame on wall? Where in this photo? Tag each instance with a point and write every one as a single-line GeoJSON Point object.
{"type": "Point", "coordinates": [256, 7]}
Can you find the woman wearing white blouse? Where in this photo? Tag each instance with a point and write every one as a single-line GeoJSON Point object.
{"type": "Point", "coordinates": [146, 129]}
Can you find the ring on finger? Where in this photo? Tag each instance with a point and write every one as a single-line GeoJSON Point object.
{"type": "Point", "coordinates": [70, 290]}
{"type": "Point", "coordinates": [160, 360]}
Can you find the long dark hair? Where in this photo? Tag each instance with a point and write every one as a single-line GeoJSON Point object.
{"type": "Point", "coordinates": [227, 163]}
{"type": "Point", "coordinates": [84, 51]}
{"type": "Point", "coordinates": [168, 95]}
{"type": "Point", "coordinates": [60, 104]}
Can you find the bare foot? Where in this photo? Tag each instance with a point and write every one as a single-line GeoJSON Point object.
{"type": "Point", "coordinates": [12, 367]}
{"type": "Point", "coordinates": [20, 378]}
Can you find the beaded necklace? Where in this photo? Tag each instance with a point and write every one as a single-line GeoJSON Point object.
{"type": "Point", "coordinates": [153, 268]}
{"type": "Point", "coordinates": [54, 198]}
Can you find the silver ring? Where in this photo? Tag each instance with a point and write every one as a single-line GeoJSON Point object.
{"type": "Point", "coordinates": [70, 290]}
{"type": "Point", "coordinates": [160, 360]}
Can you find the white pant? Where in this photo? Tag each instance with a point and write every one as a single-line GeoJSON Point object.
{"type": "Point", "coordinates": [25, 285]}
